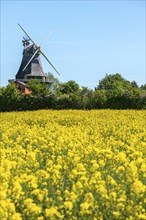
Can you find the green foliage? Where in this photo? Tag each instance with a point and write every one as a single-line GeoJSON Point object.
{"type": "Point", "coordinates": [38, 88]}
{"type": "Point", "coordinates": [85, 97]}
{"type": "Point", "coordinates": [120, 93]}
{"type": "Point", "coordinates": [112, 82]}
{"type": "Point", "coordinates": [11, 92]}
{"type": "Point", "coordinates": [143, 87]}
{"type": "Point", "coordinates": [9, 98]}
{"type": "Point", "coordinates": [113, 92]}
{"type": "Point", "coordinates": [99, 99]}
{"type": "Point", "coordinates": [68, 87]}
{"type": "Point", "coordinates": [54, 83]}
{"type": "Point", "coordinates": [134, 84]}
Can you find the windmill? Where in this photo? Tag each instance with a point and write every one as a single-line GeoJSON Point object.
{"type": "Point", "coordinates": [30, 67]}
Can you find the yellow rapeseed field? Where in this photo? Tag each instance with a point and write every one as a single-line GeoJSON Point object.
{"type": "Point", "coordinates": [73, 165]}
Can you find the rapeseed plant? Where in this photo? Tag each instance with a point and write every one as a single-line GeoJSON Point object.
{"type": "Point", "coordinates": [80, 165]}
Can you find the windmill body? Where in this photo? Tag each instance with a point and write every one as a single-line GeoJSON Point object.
{"type": "Point", "coordinates": [34, 70]}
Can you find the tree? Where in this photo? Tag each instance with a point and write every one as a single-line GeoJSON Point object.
{"type": "Point", "coordinates": [67, 95]}
{"type": "Point", "coordinates": [54, 82]}
{"type": "Point", "coordinates": [85, 96]}
{"type": "Point", "coordinates": [143, 87]}
{"type": "Point", "coordinates": [112, 82]}
{"type": "Point", "coordinates": [68, 87]}
{"type": "Point", "coordinates": [134, 84]}
{"type": "Point", "coordinates": [113, 92]}
{"type": "Point", "coordinates": [9, 97]}
{"type": "Point", "coordinates": [38, 89]}
{"type": "Point", "coordinates": [120, 92]}
{"type": "Point", "coordinates": [99, 99]}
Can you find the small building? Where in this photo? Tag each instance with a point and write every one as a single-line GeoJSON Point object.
{"type": "Point", "coordinates": [22, 87]}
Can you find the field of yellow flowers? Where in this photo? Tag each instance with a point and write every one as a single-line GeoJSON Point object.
{"type": "Point", "coordinates": [73, 165]}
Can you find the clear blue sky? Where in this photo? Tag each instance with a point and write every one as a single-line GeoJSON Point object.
{"type": "Point", "coordinates": [91, 38]}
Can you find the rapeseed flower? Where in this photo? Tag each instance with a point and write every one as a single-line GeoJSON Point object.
{"type": "Point", "coordinates": [72, 164]}
{"type": "Point", "coordinates": [51, 212]}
